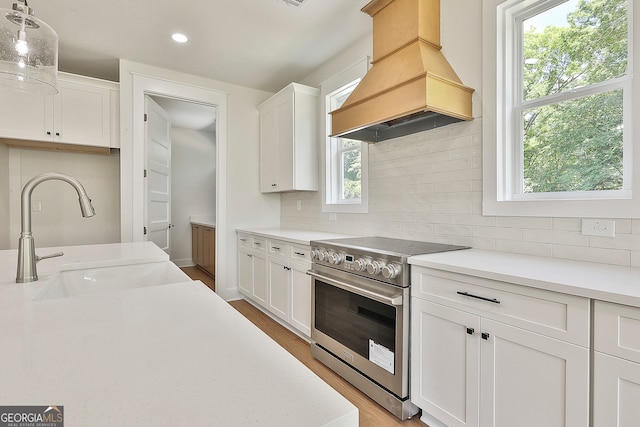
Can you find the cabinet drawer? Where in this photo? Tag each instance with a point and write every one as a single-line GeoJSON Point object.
{"type": "Point", "coordinates": [245, 241]}
{"type": "Point", "coordinates": [278, 248]}
{"type": "Point", "coordinates": [259, 244]}
{"type": "Point", "coordinates": [553, 314]}
{"type": "Point", "coordinates": [616, 330]}
{"type": "Point", "coordinates": [300, 253]}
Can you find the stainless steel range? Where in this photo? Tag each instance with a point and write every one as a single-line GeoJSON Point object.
{"type": "Point", "coordinates": [360, 313]}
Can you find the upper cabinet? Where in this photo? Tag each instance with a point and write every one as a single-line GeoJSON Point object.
{"type": "Point", "coordinates": [288, 140]}
{"type": "Point", "coordinates": [84, 112]}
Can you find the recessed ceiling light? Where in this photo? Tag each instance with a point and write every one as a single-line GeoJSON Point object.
{"type": "Point", "coordinates": [179, 38]}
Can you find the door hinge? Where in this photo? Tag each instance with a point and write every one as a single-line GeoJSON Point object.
{"type": "Point", "coordinates": [144, 230]}
{"type": "Point", "coordinates": [145, 173]}
{"type": "Point", "coordinates": [145, 117]}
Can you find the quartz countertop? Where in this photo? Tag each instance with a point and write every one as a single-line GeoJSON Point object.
{"type": "Point", "coordinates": [301, 237]}
{"type": "Point", "coordinates": [174, 354]}
{"type": "Point", "coordinates": [207, 221]}
{"type": "Point", "coordinates": [592, 280]}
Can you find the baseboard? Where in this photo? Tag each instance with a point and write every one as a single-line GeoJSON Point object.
{"type": "Point", "coordinates": [183, 262]}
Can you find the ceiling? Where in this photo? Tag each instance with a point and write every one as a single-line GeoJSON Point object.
{"type": "Point", "coordinates": [262, 44]}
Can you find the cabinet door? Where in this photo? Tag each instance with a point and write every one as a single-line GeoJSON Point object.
{"type": "Point", "coordinates": [445, 358]}
{"type": "Point", "coordinates": [23, 115]}
{"type": "Point", "coordinates": [194, 243]}
{"type": "Point", "coordinates": [260, 284]}
{"type": "Point", "coordinates": [245, 273]}
{"type": "Point", "coordinates": [284, 132]}
{"type": "Point", "coordinates": [531, 380]}
{"type": "Point", "coordinates": [301, 298]}
{"type": "Point", "coordinates": [616, 392]}
{"type": "Point", "coordinates": [209, 252]}
{"type": "Point", "coordinates": [82, 114]}
{"type": "Point", "coordinates": [279, 282]}
{"type": "Point", "coordinates": [268, 149]}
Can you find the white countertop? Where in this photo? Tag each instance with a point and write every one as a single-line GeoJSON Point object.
{"type": "Point", "coordinates": [301, 237]}
{"type": "Point", "coordinates": [173, 354]}
{"type": "Point", "coordinates": [207, 221]}
{"type": "Point", "coordinates": [592, 280]}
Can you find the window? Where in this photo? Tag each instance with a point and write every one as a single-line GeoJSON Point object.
{"type": "Point", "coordinates": [346, 160]}
{"type": "Point", "coordinates": [558, 129]}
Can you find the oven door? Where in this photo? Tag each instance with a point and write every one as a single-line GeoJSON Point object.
{"type": "Point", "coordinates": [363, 322]}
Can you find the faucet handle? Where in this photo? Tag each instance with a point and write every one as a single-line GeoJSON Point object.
{"type": "Point", "coordinates": [57, 254]}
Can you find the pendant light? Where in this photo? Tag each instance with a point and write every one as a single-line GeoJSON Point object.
{"type": "Point", "coordinates": [28, 51]}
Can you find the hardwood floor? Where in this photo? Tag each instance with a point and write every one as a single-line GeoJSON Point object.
{"type": "Point", "coordinates": [371, 414]}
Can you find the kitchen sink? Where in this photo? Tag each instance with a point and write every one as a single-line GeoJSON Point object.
{"type": "Point", "coordinates": [96, 280]}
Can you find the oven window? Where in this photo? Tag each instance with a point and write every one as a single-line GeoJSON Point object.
{"type": "Point", "coordinates": [354, 320]}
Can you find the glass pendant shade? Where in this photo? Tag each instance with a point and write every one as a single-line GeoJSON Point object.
{"type": "Point", "coordinates": [28, 51]}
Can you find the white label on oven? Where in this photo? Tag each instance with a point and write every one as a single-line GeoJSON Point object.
{"type": "Point", "coordinates": [381, 356]}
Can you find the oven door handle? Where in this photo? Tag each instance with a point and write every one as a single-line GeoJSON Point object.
{"type": "Point", "coordinates": [395, 301]}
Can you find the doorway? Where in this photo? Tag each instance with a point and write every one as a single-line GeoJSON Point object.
{"type": "Point", "coordinates": [192, 182]}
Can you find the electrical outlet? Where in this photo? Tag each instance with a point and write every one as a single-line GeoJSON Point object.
{"type": "Point", "coordinates": [598, 227]}
{"type": "Point", "coordinates": [36, 206]}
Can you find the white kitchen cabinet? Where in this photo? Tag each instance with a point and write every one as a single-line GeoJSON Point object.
{"type": "Point", "coordinates": [616, 365]}
{"type": "Point", "coordinates": [288, 140]}
{"type": "Point", "coordinates": [285, 291]}
{"type": "Point", "coordinates": [300, 315]}
{"type": "Point", "coordinates": [84, 112]}
{"type": "Point", "coordinates": [252, 268]}
{"type": "Point", "coordinates": [447, 357]}
{"type": "Point", "coordinates": [488, 353]}
{"type": "Point", "coordinates": [279, 285]}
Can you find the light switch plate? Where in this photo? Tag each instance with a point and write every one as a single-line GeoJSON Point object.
{"type": "Point", "coordinates": [599, 227]}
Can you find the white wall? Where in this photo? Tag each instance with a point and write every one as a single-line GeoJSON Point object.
{"type": "Point", "coordinates": [193, 186]}
{"type": "Point", "coordinates": [428, 186]}
{"type": "Point", "coordinates": [60, 222]}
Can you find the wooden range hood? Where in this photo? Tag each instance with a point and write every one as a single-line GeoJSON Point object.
{"type": "Point", "coordinates": [410, 87]}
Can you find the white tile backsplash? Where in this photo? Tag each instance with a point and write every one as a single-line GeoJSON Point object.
{"type": "Point", "coordinates": [428, 186]}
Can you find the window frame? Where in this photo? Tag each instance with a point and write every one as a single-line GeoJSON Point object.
{"type": "Point", "coordinates": [502, 48]}
{"type": "Point", "coordinates": [332, 200]}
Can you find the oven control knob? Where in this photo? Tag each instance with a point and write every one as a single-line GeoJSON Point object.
{"type": "Point", "coordinates": [335, 258]}
{"type": "Point", "coordinates": [374, 267]}
{"type": "Point", "coordinates": [360, 264]}
{"type": "Point", "coordinates": [391, 271]}
{"type": "Point", "coordinates": [315, 254]}
{"type": "Point", "coordinates": [323, 255]}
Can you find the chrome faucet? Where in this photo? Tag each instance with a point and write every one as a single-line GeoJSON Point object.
{"type": "Point", "coordinates": [27, 257]}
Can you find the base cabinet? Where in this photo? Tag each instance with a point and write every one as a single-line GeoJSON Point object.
{"type": "Point", "coordinates": [203, 248]}
{"type": "Point", "coordinates": [275, 277]}
{"type": "Point", "coordinates": [616, 365]}
{"type": "Point", "coordinates": [491, 362]}
{"type": "Point", "coordinates": [252, 269]}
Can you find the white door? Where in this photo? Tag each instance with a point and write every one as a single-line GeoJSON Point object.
{"type": "Point", "coordinates": [158, 175]}
{"type": "Point", "coordinates": [445, 361]}
{"type": "Point", "coordinates": [530, 380]}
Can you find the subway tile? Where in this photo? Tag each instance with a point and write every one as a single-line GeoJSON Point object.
{"type": "Point", "coordinates": [453, 229]}
{"type": "Point", "coordinates": [524, 222]}
{"type": "Point", "coordinates": [487, 221]}
{"type": "Point", "coordinates": [607, 256]}
{"type": "Point", "coordinates": [621, 241]}
{"type": "Point", "coordinates": [498, 233]}
{"type": "Point", "coordinates": [555, 237]}
{"type": "Point", "coordinates": [526, 248]}
{"type": "Point", "coordinates": [567, 224]}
